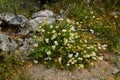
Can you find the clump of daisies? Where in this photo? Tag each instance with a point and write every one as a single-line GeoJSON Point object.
{"type": "Point", "coordinates": [66, 44]}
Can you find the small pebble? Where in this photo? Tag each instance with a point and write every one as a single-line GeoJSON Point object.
{"type": "Point", "coordinates": [35, 61]}
{"type": "Point", "coordinates": [118, 65]}
{"type": "Point", "coordinates": [100, 58]}
{"type": "Point", "coordinates": [115, 71]}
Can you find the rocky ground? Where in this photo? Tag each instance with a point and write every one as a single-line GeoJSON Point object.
{"type": "Point", "coordinates": [104, 70]}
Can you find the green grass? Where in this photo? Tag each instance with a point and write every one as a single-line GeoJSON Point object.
{"type": "Point", "coordinates": [11, 69]}
{"type": "Point", "coordinates": [18, 7]}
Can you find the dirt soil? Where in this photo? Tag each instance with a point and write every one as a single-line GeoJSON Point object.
{"type": "Point", "coordinates": [104, 70]}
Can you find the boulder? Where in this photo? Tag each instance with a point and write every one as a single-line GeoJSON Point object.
{"type": "Point", "coordinates": [7, 44]}
{"type": "Point", "coordinates": [115, 71]}
{"type": "Point", "coordinates": [19, 48]}
{"type": "Point", "coordinates": [113, 13]}
{"type": "Point", "coordinates": [40, 17]}
{"type": "Point", "coordinates": [19, 20]}
{"type": "Point", "coordinates": [118, 63]}
{"type": "Point", "coordinates": [35, 23]}
{"type": "Point", "coordinates": [10, 18]}
{"type": "Point", "coordinates": [43, 13]}
{"type": "Point", "coordinates": [25, 48]}
{"type": "Point", "coordinates": [18, 23]}
{"type": "Point", "coordinates": [12, 28]}
{"type": "Point", "coordinates": [6, 16]}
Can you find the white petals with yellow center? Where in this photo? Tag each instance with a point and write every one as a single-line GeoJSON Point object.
{"type": "Point", "coordinates": [56, 43]}
{"type": "Point", "coordinates": [64, 30]}
{"type": "Point", "coordinates": [36, 45]}
{"type": "Point", "coordinates": [47, 40]}
{"type": "Point", "coordinates": [53, 31]}
{"type": "Point", "coordinates": [54, 36]}
{"type": "Point", "coordinates": [49, 53]}
{"type": "Point", "coordinates": [65, 41]}
{"type": "Point", "coordinates": [70, 55]}
{"type": "Point", "coordinates": [53, 47]}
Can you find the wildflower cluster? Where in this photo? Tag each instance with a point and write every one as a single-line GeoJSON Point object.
{"type": "Point", "coordinates": [66, 44]}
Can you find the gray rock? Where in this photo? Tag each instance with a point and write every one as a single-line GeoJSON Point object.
{"type": "Point", "coordinates": [26, 48]}
{"type": "Point", "coordinates": [22, 23]}
{"type": "Point", "coordinates": [35, 23]}
{"type": "Point", "coordinates": [21, 49]}
{"type": "Point", "coordinates": [108, 72]}
{"type": "Point", "coordinates": [13, 20]}
{"type": "Point", "coordinates": [45, 13]}
{"type": "Point", "coordinates": [0, 22]}
{"type": "Point", "coordinates": [6, 16]}
{"type": "Point", "coordinates": [115, 71]}
{"type": "Point", "coordinates": [114, 13]}
{"type": "Point", "coordinates": [40, 17]}
{"type": "Point", "coordinates": [43, 19]}
{"type": "Point", "coordinates": [118, 63]}
{"type": "Point", "coordinates": [18, 23]}
{"type": "Point", "coordinates": [7, 43]}
{"type": "Point", "coordinates": [19, 20]}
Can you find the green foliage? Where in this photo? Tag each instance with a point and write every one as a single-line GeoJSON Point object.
{"type": "Point", "coordinates": [113, 59]}
{"type": "Point", "coordinates": [12, 69]}
{"type": "Point", "coordinates": [18, 7]}
{"type": "Point", "coordinates": [77, 11]}
{"type": "Point", "coordinates": [118, 78]}
{"type": "Point", "coordinates": [7, 69]}
{"type": "Point", "coordinates": [65, 44]}
{"type": "Point", "coordinates": [108, 4]}
{"type": "Point", "coordinates": [8, 6]}
{"type": "Point", "coordinates": [106, 28]}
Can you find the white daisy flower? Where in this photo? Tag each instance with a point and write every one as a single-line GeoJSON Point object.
{"type": "Point", "coordinates": [53, 47]}
{"type": "Point", "coordinates": [47, 40]}
{"type": "Point", "coordinates": [59, 59]}
{"type": "Point", "coordinates": [70, 55]}
{"type": "Point", "coordinates": [54, 36]}
{"type": "Point", "coordinates": [64, 30]}
{"type": "Point", "coordinates": [56, 43]}
{"type": "Point", "coordinates": [49, 53]}
{"type": "Point", "coordinates": [35, 45]}
{"type": "Point", "coordinates": [53, 31]}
